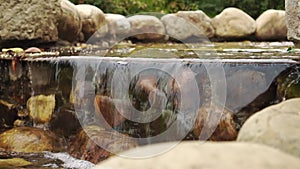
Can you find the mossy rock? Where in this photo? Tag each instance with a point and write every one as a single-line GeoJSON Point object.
{"type": "Point", "coordinates": [289, 84]}
{"type": "Point", "coordinates": [13, 163]}
{"type": "Point", "coordinates": [27, 139]}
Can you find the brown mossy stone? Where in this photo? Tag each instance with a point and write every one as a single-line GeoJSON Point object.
{"type": "Point", "coordinates": [27, 139]}
{"type": "Point", "coordinates": [105, 107]}
{"type": "Point", "coordinates": [95, 144]}
{"type": "Point", "coordinates": [41, 108]}
{"type": "Point", "coordinates": [288, 84]}
{"type": "Point", "coordinates": [215, 123]}
{"type": "Point", "coordinates": [65, 122]}
{"type": "Point", "coordinates": [14, 163]}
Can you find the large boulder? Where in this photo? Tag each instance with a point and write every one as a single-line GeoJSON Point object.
{"type": "Point", "coordinates": [233, 23]}
{"type": "Point", "coordinates": [271, 25]}
{"type": "Point", "coordinates": [26, 139]}
{"type": "Point", "coordinates": [188, 24]}
{"type": "Point", "coordinates": [93, 20]}
{"type": "Point", "coordinates": [146, 27]}
{"type": "Point", "coordinates": [191, 155]}
{"type": "Point", "coordinates": [118, 25]}
{"type": "Point", "coordinates": [27, 23]}
{"type": "Point", "coordinates": [24, 21]}
{"type": "Point", "coordinates": [292, 8]}
{"type": "Point", "coordinates": [277, 126]}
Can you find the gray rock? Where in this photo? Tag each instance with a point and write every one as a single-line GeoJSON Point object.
{"type": "Point", "coordinates": [277, 126]}
{"type": "Point", "coordinates": [292, 8]}
{"type": "Point", "coordinates": [208, 155]}
{"type": "Point", "coordinates": [185, 24]}
{"type": "Point", "coordinates": [233, 23]}
{"type": "Point", "coordinates": [145, 27]}
{"type": "Point", "coordinates": [93, 20]}
{"type": "Point", "coordinates": [118, 25]}
{"type": "Point", "coordinates": [176, 27]}
{"type": "Point", "coordinates": [271, 25]}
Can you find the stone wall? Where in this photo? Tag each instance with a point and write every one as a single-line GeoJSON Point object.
{"type": "Point", "coordinates": [56, 21]}
{"type": "Point", "coordinates": [292, 19]}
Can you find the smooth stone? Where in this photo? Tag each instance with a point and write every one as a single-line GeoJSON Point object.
{"type": "Point", "coordinates": [271, 25]}
{"type": "Point", "coordinates": [118, 25]}
{"type": "Point", "coordinates": [146, 27]}
{"type": "Point", "coordinates": [233, 23]}
{"type": "Point", "coordinates": [200, 20]}
{"type": "Point", "coordinates": [276, 126]}
{"type": "Point", "coordinates": [209, 155]}
{"type": "Point", "coordinates": [33, 50]}
{"type": "Point", "coordinates": [27, 140]}
{"type": "Point", "coordinates": [188, 24]}
{"type": "Point", "coordinates": [93, 20]}
{"type": "Point", "coordinates": [69, 23]}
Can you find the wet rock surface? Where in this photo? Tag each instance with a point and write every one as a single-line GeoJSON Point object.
{"type": "Point", "coordinates": [27, 139]}
{"type": "Point", "coordinates": [105, 109]}
{"type": "Point", "coordinates": [8, 114]}
{"type": "Point", "coordinates": [41, 108]}
{"type": "Point", "coordinates": [214, 123]}
{"type": "Point", "coordinates": [14, 163]}
{"type": "Point", "coordinates": [288, 84]}
{"type": "Point", "coordinates": [64, 122]}
{"type": "Point", "coordinates": [241, 83]}
{"type": "Point", "coordinates": [96, 144]}
{"type": "Point", "coordinates": [203, 154]}
{"type": "Point", "coordinates": [276, 126]}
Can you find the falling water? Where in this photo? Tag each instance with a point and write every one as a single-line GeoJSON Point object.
{"type": "Point", "coordinates": [149, 99]}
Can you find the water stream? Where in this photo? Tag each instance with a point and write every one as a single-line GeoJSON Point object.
{"type": "Point", "coordinates": [155, 92]}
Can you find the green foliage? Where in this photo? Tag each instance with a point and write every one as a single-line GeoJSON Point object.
{"type": "Point", "coordinates": [210, 7]}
